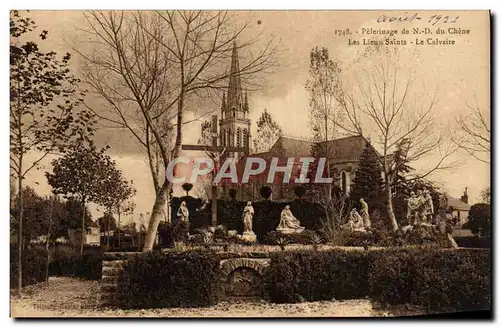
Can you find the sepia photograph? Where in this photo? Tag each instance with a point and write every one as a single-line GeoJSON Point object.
{"type": "Point", "coordinates": [250, 164]}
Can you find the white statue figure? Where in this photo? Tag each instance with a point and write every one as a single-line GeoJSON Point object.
{"type": "Point", "coordinates": [288, 223]}
{"type": "Point", "coordinates": [365, 213]}
{"type": "Point", "coordinates": [248, 213]}
{"type": "Point", "coordinates": [183, 212]}
{"type": "Point", "coordinates": [248, 234]}
{"type": "Point", "coordinates": [414, 207]}
{"type": "Point", "coordinates": [430, 204]}
{"type": "Point", "coordinates": [355, 221]}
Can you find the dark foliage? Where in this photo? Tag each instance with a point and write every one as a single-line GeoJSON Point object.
{"type": "Point", "coordinates": [265, 192]}
{"type": "Point", "coordinates": [34, 263]}
{"type": "Point", "coordinates": [232, 194]}
{"type": "Point", "coordinates": [368, 184]}
{"type": "Point", "coordinates": [479, 220]}
{"type": "Point", "coordinates": [473, 241]}
{"type": "Point", "coordinates": [66, 262]}
{"type": "Point", "coordinates": [161, 280]}
{"type": "Point", "coordinates": [300, 191]}
{"type": "Point", "coordinates": [440, 280]}
{"type": "Point", "coordinates": [305, 237]}
{"type": "Point", "coordinates": [317, 276]}
{"type": "Point", "coordinates": [187, 187]}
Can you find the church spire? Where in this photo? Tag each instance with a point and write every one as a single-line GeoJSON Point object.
{"type": "Point", "coordinates": [223, 106]}
{"type": "Point", "coordinates": [245, 105]}
{"type": "Point", "coordinates": [234, 92]}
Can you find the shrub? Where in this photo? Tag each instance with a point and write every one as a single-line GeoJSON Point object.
{"type": "Point", "coordinates": [66, 262]}
{"type": "Point", "coordinates": [316, 276]}
{"type": "Point", "coordinates": [440, 280]}
{"type": "Point", "coordinates": [161, 280]}
{"type": "Point", "coordinates": [34, 263]}
{"type": "Point", "coordinates": [305, 237]}
{"type": "Point", "coordinates": [473, 241]}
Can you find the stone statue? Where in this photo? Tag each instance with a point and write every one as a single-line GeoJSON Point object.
{"type": "Point", "coordinates": [248, 234]}
{"type": "Point", "coordinates": [183, 212]}
{"type": "Point", "coordinates": [248, 213]}
{"type": "Point", "coordinates": [412, 209]}
{"type": "Point", "coordinates": [288, 223]}
{"type": "Point", "coordinates": [365, 213]}
{"type": "Point", "coordinates": [355, 221]}
{"type": "Point", "coordinates": [429, 206]}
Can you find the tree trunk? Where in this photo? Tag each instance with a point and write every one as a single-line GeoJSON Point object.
{"type": "Point", "coordinates": [156, 216]}
{"type": "Point", "coordinates": [118, 227]}
{"type": "Point", "coordinates": [20, 230]}
{"type": "Point", "coordinates": [390, 211]}
{"type": "Point", "coordinates": [48, 239]}
{"type": "Point", "coordinates": [83, 226]}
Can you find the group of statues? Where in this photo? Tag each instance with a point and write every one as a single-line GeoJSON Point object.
{"type": "Point", "coordinates": [420, 208]}
{"type": "Point", "coordinates": [288, 222]}
{"type": "Point", "coordinates": [359, 221]}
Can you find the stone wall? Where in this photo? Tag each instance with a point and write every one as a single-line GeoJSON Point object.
{"type": "Point", "coordinates": [112, 269]}
{"type": "Point", "coordinates": [242, 273]}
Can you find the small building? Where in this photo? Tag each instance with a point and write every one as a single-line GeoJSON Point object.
{"type": "Point", "coordinates": [459, 208]}
{"type": "Point", "coordinates": [92, 235]}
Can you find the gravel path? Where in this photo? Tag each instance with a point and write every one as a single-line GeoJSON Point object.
{"type": "Point", "coordinates": [71, 297]}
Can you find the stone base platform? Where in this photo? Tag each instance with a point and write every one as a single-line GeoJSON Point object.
{"type": "Point", "coordinates": [290, 230]}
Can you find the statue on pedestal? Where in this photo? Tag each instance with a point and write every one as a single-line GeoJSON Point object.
{"type": "Point", "coordinates": [248, 213]}
{"type": "Point", "coordinates": [355, 221]}
{"type": "Point", "coordinates": [183, 212]}
{"type": "Point", "coordinates": [429, 206]}
{"type": "Point", "coordinates": [288, 223]}
{"type": "Point", "coordinates": [413, 204]}
{"type": "Point", "coordinates": [365, 214]}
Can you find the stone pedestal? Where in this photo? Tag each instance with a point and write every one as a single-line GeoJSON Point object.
{"type": "Point", "coordinates": [249, 237]}
{"type": "Point", "coordinates": [290, 230]}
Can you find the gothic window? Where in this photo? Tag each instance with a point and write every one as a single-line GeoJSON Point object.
{"type": "Point", "coordinates": [238, 137]}
{"type": "Point", "coordinates": [222, 137]}
{"type": "Point", "coordinates": [343, 175]}
{"type": "Point", "coordinates": [245, 137]}
{"type": "Point", "coordinates": [229, 141]}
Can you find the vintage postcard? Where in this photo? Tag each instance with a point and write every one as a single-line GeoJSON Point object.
{"type": "Point", "coordinates": [248, 164]}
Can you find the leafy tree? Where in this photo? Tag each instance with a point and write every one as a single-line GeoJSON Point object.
{"type": "Point", "coordinates": [43, 107]}
{"type": "Point", "coordinates": [268, 131]}
{"type": "Point", "coordinates": [486, 195]}
{"type": "Point", "coordinates": [83, 172]}
{"type": "Point", "coordinates": [479, 221]}
{"type": "Point", "coordinates": [323, 86]}
{"type": "Point", "coordinates": [368, 184]}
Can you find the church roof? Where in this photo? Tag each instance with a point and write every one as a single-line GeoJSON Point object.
{"type": "Point", "coordinates": [457, 204]}
{"type": "Point", "coordinates": [347, 148]}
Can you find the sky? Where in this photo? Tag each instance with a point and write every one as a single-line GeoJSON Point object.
{"type": "Point", "coordinates": [460, 72]}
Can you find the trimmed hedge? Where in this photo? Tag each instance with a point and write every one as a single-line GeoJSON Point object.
{"type": "Point", "coordinates": [66, 262]}
{"type": "Point", "coordinates": [440, 280]}
{"type": "Point", "coordinates": [34, 264]}
{"type": "Point", "coordinates": [473, 241]}
{"type": "Point", "coordinates": [161, 280]}
{"type": "Point", "coordinates": [445, 280]}
{"type": "Point", "coordinates": [315, 276]}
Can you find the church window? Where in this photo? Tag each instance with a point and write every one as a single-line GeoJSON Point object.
{"type": "Point", "coordinates": [343, 176]}
{"type": "Point", "coordinates": [245, 137]}
{"type": "Point", "coordinates": [238, 137]}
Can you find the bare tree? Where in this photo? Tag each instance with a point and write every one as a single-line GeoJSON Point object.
{"type": "Point", "coordinates": [163, 61]}
{"type": "Point", "coordinates": [386, 105]}
{"type": "Point", "coordinates": [473, 133]}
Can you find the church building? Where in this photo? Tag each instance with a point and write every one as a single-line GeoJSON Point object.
{"type": "Point", "coordinates": [234, 130]}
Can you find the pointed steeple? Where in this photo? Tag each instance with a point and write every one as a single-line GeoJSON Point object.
{"type": "Point", "coordinates": [245, 105]}
{"type": "Point", "coordinates": [234, 92]}
{"type": "Point", "coordinates": [223, 106]}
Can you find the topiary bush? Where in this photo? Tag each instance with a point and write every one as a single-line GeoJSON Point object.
{"type": "Point", "coordinates": [177, 279]}
{"type": "Point", "coordinates": [34, 263]}
{"type": "Point", "coordinates": [317, 276]}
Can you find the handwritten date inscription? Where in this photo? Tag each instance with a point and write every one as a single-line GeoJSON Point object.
{"type": "Point", "coordinates": [407, 17]}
